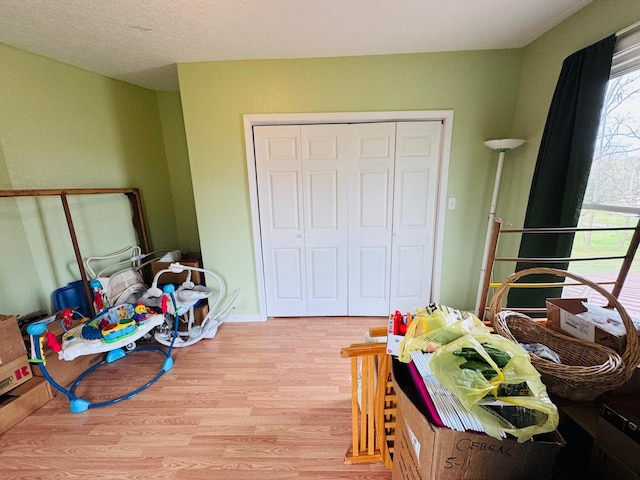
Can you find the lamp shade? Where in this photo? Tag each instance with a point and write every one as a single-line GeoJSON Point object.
{"type": "Point", "coordinates": [504, 144]}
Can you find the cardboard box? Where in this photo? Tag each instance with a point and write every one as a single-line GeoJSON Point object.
{"type": "Point", "coordinates": [423, 451]}
{"type": "Point", "coordinates": [604, 465]}
{"type": "Point", "coordinates": [200, 311]}
{"type": "Point", "coordinates": [14, 364]}
{"type": "Point", "coordinates": [570, 316]}
{"type": "Point", "coordinates": [14, 373]}
{"type": "Point", "coordinates": [612, 436]}
{"type": "Point", "coordinates": [11, 344]}
{"type": "Point", "coordinates": [22, 401]}
{"type": "Point", "coordinates": [192, 259]}
{"type": "Point", "coordinates": [66, 372]}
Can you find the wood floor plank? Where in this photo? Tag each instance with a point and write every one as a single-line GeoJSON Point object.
{"type": "Point", "coordinates": [260, 401]}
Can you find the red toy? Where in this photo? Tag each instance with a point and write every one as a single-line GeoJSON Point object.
{"type": "Point", "coordinates": [401, 323]}
{"type": "Point", "coordinates": [53, 342]}
{"type": "Point", "coordinates": [67, 319]}
{"type": "Point", "coordinates": [165, 304]}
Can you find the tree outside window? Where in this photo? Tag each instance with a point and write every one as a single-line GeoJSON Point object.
{"type": "Point", "coordinates": [612, 197]}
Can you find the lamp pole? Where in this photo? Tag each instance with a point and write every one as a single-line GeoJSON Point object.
{"type": "Point", "coordinates": [502, 145]}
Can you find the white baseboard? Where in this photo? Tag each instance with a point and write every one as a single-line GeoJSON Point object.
{"type": "Point", "coordinates": [249, 317]}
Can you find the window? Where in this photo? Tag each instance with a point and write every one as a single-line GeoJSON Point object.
{"type": "Point", "coordinates": [612, 197]}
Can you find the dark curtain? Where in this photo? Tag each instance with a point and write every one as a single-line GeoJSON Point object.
{"type": "Point", "coordinates": [563, 165]}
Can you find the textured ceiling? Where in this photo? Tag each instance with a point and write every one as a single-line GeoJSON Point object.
{"type": "Point", "coordinates": [140, 41]}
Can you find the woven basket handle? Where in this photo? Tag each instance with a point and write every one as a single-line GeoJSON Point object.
{"type": "Point", "coordinates": [631, 354]}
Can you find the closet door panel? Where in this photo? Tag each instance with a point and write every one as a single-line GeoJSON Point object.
{"type": "Point", "coordinates": [287, 274]}
{"type": "Point", "coordinates": [414, 215]}
{"type": "Point", "coordinates": [323, 201]}
{"type": "Point", "coordinates": [283, 209]}
{"type": "Point", "coordinates": [324, 265]}
{"type": "Point", "coordinates": [408, 260]}
{"type": "Point", "coordinates": [280, 197]}
{"type": "Point", "coordinates": [371, 177]}
{"type": "Point", "coordinates": [373, 199]}
{"type": "Point", "coordinates": [372, 261]}
{"type": "Point", "coordinates": [324, 168]}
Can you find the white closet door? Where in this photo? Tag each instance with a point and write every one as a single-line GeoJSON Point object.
{"type": "Point", "coordinates": [414, 213]}
{"type": "Point", "coordinates": [324, 169]}
{"type": "Point", "coordinates": [347, 216]}
{"type": "Point", "coordinates": [371, 180]}
{"type": "Point", "coordinates": [280, 184]}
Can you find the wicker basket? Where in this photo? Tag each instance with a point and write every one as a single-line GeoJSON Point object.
{"type": "Point", "coordinates": [587, 369]}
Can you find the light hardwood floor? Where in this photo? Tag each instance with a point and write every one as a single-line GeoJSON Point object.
{"type": "Point", "coordinates": [267, 400]}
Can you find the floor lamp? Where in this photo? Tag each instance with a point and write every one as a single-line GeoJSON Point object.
{"type": "Point", "coordinates": [502, 146]}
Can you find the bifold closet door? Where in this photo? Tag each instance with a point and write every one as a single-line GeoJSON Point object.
{"type": "Point", "coordinates": [324, 170]}
{"type": "Point", "coordinates": [371, 180]}
{"type": "Point", "coordinates": [347, 216]}
{"type": "Point", "coordinates": [301, 176]}
{"type": "Point", "coordinates": [415, 199]}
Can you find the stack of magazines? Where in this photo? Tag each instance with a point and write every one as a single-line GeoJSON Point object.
{"type": "Point", "coordinates": [443, 407]}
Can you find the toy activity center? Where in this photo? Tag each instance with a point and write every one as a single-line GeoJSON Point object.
{"type": "Point", "coordinates": [112, 311]}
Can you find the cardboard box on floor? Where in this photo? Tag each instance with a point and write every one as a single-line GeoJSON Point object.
{"type": "Point", "coordinates": [568, 315]}
{"type": "Point", "coordinates": [604, 465]}
{"type": "Point", "coordinates": [62, 371]}
{"type": "Point", "coordinates": [618, 431]}
{"type": "Point", "coordinates": [14, 364]}
{"type": "Point", "coordinates": [199, 313]}
{"type": "Point", "coordinates": [22, 401]}
{"type": "Point", "coordinates": [191, 259]}
{"type": "Point", "coordinates": [423, 451]}
{"type": "Point", "coordinates": [66, 372]}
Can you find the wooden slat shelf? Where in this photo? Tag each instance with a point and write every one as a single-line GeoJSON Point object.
{"type": "Point", "coordinates": [498, 231]}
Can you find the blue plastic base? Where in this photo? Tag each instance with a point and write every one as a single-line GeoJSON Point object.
{"type": "Point", "coordinates": [79, 405]}
{"type": "Point", "coordinates": [168, 364]}
{"type": "Point", "coordinates": [114, 355]}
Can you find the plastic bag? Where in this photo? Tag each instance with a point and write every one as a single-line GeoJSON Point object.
{"type": "Point", "coordinates": [490, 394]}
{"type": "Point", "coordinates": [437, 325]}
{"type": "Point", "coordinates": [542, 351]}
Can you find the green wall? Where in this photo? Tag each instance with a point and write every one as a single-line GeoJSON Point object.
{"type": "Point", "coordinates": [62, 127]}
{"type": "Point", "coordinates": [479, 86]}
{"type": "Point", "coordinates": [175, 145]}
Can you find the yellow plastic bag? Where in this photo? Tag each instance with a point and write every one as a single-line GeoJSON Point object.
{"type": "Point", "coordinates": [476, 392]}
{"type": "Point", "coordinates": [437, 325]}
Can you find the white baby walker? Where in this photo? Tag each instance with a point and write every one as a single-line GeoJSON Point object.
{"type": "Point", "coordinates": [187, 297]}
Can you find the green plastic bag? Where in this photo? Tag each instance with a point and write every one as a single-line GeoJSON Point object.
{"type": "Point", "coordinates": [488, 398]}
